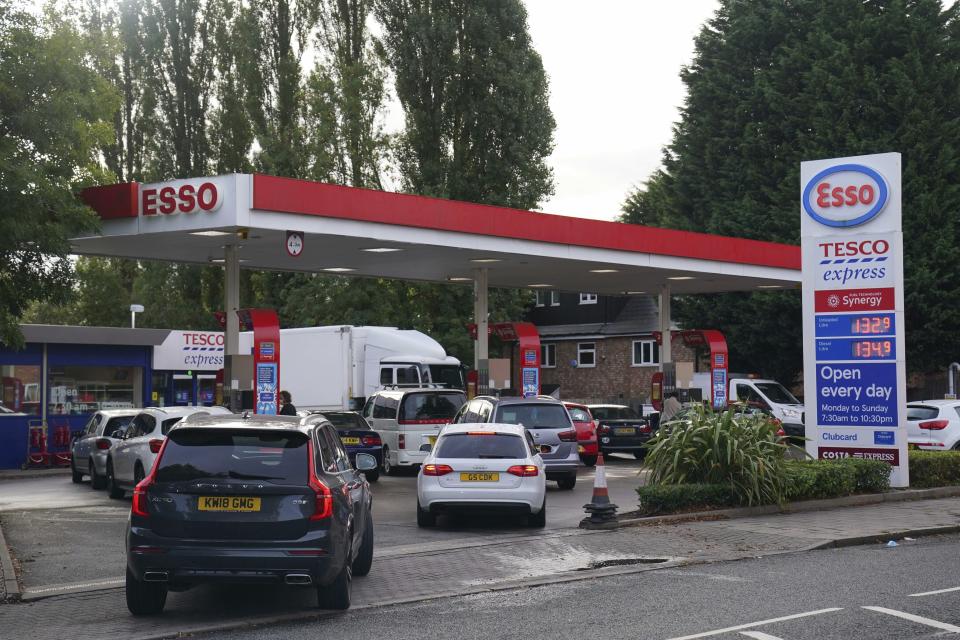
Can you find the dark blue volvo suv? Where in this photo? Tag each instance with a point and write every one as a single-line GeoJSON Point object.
{"type": "Point", "coordinates": [250, 499]}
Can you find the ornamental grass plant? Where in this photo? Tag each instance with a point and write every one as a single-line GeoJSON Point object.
{"type": "Point", "coordinates": [729, 448]}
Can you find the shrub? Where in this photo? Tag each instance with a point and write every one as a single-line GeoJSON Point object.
{"type": "Point", "coordinates": [811, 480]}
{"type": "Point", "coordinates": [934, 468]}
{"type": "Point", "coordinates": [743, 453]}
{"type": "Point", "coordinates": [670, 498]}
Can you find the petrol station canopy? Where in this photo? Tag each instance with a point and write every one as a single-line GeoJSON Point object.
{"type": "Point", "coordinates": [362, 232]}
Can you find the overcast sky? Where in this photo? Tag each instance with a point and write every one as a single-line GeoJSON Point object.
{"type": "Point", "coordinates": [615, 90]}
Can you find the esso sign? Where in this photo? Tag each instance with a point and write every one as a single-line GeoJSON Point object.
{"type": "Point", "coordinates": [846, 195]}
{"type": "Point", "coordinates": [854, 248]}
{"type": "Point", "coordinates": [186, 198]}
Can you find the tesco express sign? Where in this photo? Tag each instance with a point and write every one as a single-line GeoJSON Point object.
{"type": "Point", "coordinates": [845, 195]}
{"type": "Point", "coordinates": [185, 198]}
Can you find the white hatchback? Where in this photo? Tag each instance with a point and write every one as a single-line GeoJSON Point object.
{"type": "Point", "coordinates": [482, 467]}
{"type": "Point", "coordinates": [934, 425]}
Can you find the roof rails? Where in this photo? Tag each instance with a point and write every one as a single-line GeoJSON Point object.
{"type": "Point", "coordinates": [414, 385]}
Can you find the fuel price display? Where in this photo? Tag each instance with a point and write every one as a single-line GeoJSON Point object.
{"type": "Point", "coordinates": [854, 325]}
{"type": "Point", "coordinates": [873, 325]}
{"type": "Point", "coordinates": [872, 349]}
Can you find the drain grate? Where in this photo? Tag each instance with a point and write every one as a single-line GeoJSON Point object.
{"type": "Point", "coordinates": [621, 562]}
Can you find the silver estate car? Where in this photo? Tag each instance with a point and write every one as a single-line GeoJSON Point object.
{"type": "Point", "coordinates": [89, 451]}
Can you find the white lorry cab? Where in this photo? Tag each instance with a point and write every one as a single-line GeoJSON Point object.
{"type": "Point", "coordinates": [770, 394]}
{"type": "Point", "coordinates": [338, 367]}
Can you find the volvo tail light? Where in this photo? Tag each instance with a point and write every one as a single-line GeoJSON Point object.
{"type": "Point", "coordinates": [524, 470]}
{"type": "Point", "coordinates": [138, 506]}
{"type": "Point", "coordinates": [437, 469]}
{"type": "Point", "coordinates": [935, 425]}
{"type": "Point", "coordinates": [323, 499]}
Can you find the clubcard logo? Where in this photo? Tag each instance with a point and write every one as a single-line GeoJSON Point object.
{"type": "Point", "coordinates": [845, 195]}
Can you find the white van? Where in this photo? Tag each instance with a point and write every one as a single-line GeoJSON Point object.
{"type": "Point", "coordinates": [770, 394]}
{"type": "Point", "coordinates": [406, 419]}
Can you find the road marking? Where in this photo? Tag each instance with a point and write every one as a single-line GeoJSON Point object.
{"type": "Point", "coordinates": [933, 593]}
{"type": "Point", "coordinates": [100, 584]}
{"type": "Point", "coordinates": [936, 624]}
{"type": "Point", "coordinates": [759, 635]}
{"type": "Point", "coordinates": [717, 632]}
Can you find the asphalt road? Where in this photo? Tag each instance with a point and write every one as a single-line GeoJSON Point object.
{"type": "Point", "coordinates": [803, 596]}
{"type": "Point", "coordinates": [64, 533]}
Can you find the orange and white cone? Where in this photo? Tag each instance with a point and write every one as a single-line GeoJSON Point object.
{"type": "Point", "coordinates": [602, 512]}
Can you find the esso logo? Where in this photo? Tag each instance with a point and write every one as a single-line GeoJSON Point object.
{"type": "Point", "coordinates": [187, 198]}
{"type": "Point", "coordinates": [846, 195]}
{"type": "Point", "coordinates": [203, 339]}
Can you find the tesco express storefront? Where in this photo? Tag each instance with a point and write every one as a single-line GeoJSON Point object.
{"type": "Point", "coordinates": [64, 374]}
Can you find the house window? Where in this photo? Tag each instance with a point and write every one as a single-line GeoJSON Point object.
{"type": "Point", "coordinates": [588, 298]}
{"type": "Point", "coordinates": [548, 356]}
{"type": "Point", "coordinates": [554, 298]}
{"type": "Point", "coordinates": [645, 352]}
{"type": "Point", "coordinates": [538, 298]}
{"type": "Point", "coordinates": [586, 354]}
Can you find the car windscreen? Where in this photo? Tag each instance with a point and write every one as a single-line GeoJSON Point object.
{"type": "Point", "coordinates": [115, 424]}
{"type": "Point", "coordinates": [344, 421]}
{"type": "Point", "coordinates": [481, 445]}
{"type": "Point", "coordinates": [579, 415]}
{"type": "Point", "coordinates": [195, 454]}
{"type": "Point", "coordinates": [447, 374]}
{"type": "Point", "coordinates": [921, 412]}
{"type": "Point", "coordinates": [776, 393]}
{"type": "Point", "coordinates": [430, 405]}
{"type": "Point", "coordinates": [534, 416]}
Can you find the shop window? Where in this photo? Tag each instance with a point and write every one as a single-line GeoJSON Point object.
{"type": "Point", "coordinates": [588, 298]}
{"type": "Point", "coordinates": [548, 356]}
{"type": "Point", "coordinates": [645, 352]}
{"type": "Point", "coordinates": [74, 390]}
{"type": "Point", "coordinates": [554, 298]}
{"type": "Point", "coordinates": [587, 354]}
{"type": "Point", "coordinates": [538, 298]}
{"type": "Point", "coordinates": [20, 388]}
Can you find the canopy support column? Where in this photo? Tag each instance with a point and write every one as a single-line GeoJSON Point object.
{"type": "Point", "coordinates": [665, 355]}
{"type": "Point", "coordinates": [231, 344]}
{"type": "Point", "coordinates": [481, 353]}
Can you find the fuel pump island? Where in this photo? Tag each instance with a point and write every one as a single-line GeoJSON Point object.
{"type": "Point", "coordinates": [853, 352]}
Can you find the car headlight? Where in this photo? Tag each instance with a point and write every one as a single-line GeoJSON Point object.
{"type": "Point", "coordinates": [791, 413]}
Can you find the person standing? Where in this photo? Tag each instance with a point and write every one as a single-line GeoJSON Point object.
{"type": "Point", "coordinates": [286, 404]}
{"type": "Point", "coordinates": [670, 407]}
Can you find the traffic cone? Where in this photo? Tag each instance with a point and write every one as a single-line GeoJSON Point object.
{"type": "Point", "coordinates": [602, 512]}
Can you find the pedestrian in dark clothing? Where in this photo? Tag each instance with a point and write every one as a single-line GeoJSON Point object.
{"type": "Point", "coordinates": [286, 404]}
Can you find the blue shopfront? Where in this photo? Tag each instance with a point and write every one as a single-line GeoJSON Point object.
{"type": "Point", "coordinates": [64, 374]}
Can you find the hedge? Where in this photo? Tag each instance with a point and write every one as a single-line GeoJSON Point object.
{"type": "Point", "coordinates": [934, 469]}
{"type": "Point", "coordinates": [804, 480]}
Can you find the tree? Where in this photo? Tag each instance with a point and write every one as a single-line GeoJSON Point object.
{"type": "Point", "coordinates": [775, 83]}
{"type": "Point", "coordinates": [54, 114]}
{"type": "Point", "coordinates": [475, 98]}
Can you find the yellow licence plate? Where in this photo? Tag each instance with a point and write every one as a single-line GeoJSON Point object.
{"type": "Point", "coordinates": [350, 440]}
{"type": "Point", "coordinates": [623, 431]}
{"type": "Point", "coordinates": [479, 477]}
{"type": "Point", "coordinates": [228, 503]}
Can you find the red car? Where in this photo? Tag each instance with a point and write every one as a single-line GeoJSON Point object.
{"type": "Point", "coordinates": [586, 432]}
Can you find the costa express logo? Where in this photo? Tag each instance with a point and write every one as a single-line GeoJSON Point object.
{"type": "Point", "coordinates": [846, 195]}
{"type": "Point", "coordinates": [187, 198]}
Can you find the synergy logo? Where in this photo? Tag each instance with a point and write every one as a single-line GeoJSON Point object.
{"type": "Point", "coordinates": [880, 299]}
{"type": "Point", "coordinates": [846, 195]}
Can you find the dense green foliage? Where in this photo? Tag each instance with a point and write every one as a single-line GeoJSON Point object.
{"type": "Point", "coordinates": [773, 83]}
{"type": "Point", "coordinates": [802, 480]}
{"type": "Point", "coordinates": [299, 89]}
{"type": "Point", "coordinates": [54, 115]}
{"type": "Point", "coordinates": [934, 469]}
{"type": "Point", "coordinates": [741, 452]}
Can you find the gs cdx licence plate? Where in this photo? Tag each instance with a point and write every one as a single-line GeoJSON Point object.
{"type": "Point", "coordinates": [228, 503]}
{"type": "Point", "coordinates": [479, 477]}
{"type": "Point", "coordinates": [348, 440]}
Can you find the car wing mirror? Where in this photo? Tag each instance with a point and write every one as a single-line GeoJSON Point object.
{"type": "Point", "coordinates": [366, 462]}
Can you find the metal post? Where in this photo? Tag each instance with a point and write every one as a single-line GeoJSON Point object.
{"type": "Point", "coordinates": [44, 381]}
{"type": "Point", "coordinates": [231, 344]}
{"type": "Point", "coordinates": [665, 355]}
{"type": "Point", "coordinates": [133, 319]}
{"type": "Point", "coordinates": [481, 352]}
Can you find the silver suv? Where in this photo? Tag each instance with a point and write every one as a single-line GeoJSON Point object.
{"type": "Point", "coordinates": [545, 418]}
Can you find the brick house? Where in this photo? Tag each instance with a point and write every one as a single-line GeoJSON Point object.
{"type": "Point", "coordinates": [600, 348]}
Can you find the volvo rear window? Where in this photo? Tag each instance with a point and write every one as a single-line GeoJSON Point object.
{"type": "Point", "coordinates": [430, 406]}
{"type": "Point", "coordinates": [487, 445]}
{"type": "Point", "coordinates": [921, 412]}
{"type": "Point", "coordinates": [197, 454]}
{"type": "Point", "coordinates": [534, 416]}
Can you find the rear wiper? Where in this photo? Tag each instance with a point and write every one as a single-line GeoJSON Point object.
{"type": "Point", "coordinates": [246, 476]}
